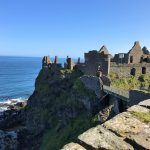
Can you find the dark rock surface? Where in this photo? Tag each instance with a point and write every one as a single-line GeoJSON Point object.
{"type": "Point", "coordinates": [11, 122]}
{"type": "Point", "coordinates": [61, 96]}
{"type": "Point", "coordinates": [8, 140]}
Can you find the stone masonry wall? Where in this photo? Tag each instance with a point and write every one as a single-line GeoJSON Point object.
{"type": "Point", "coordinates": [93, 59]}
{"type": "Point", "coordinates": [124, 70]}
{"type": "Point", "coordinates": [124, 131]}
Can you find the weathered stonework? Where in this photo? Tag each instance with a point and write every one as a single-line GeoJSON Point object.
{"type": "Point", "coordinates": [134, 56]}
{"type": "Point", "coordinates": [124, 131]}
{"type": "Point", "coordinates": [135, 62]}
{"type": "Point", "coordinates": [46, 61]}
{"type": "Point", "coordinates": [94, 59]}
{"type": "Point", "coordinates": [125, 70]}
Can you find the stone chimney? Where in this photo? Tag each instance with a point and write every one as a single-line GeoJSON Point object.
{"type": "Point", "coordinates": [46, 61]}
{"type": "Point", "coordinates": [56, 60]}
{"type": "Point", "coordinates": [78, 60]}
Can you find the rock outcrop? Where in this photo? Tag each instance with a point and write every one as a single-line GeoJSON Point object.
{"type": "Point", "coordinates": [128, 130]}
{"type": "Point", "coordinates": [62, 102]}
{"type": "Point", "coordinates": [73, 146]}
{"type": "Point", "coordinates": [8, 140]}
{"type": "Point", "coordinates": [11, 123]}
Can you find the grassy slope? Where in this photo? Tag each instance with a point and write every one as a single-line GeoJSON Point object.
{"type": "Point", "coordinates": [130, 82]}
{"type": "Point", "coordinates": [57, 136]}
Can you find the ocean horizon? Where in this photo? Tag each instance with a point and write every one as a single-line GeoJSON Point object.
{"type": "Point", "coordinates": [17, 76]}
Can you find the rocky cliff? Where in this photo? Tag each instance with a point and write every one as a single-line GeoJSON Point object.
{"type": "Point", "coordinates": [66, 103]}
{"type": "Point", "coordinates": [62, 106]}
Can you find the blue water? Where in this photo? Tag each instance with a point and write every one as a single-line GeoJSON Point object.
{"type": "Point", "coordinates": [17, 76]}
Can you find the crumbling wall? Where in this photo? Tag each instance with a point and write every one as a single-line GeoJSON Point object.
{"type": "Point", "coordinates": [93, 59]}
{"type": "Point", "coordinates": [124, 70]}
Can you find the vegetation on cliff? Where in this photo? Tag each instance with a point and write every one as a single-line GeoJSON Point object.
{"type": "Point", "coordinates": [131, 82]}
{"type": "Point", "coordinates": [58, 110]}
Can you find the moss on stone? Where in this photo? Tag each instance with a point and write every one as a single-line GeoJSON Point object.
{"type": "Point", "coordinates": [79, 86]}
{"type": "Point", "coordinates": [143, 116]}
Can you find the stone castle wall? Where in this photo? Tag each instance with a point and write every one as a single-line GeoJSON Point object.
{"type": "Point", "coordinates": [124, 70]}
{"type": "Point", "coordinates": [124, 131]}
{"type": "Point", "coordinates": [136, 96]}
{"type": "Point", "coordinates": [93, 59]}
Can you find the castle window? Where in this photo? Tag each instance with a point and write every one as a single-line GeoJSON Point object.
{"type": "Point", "coordinates": [133, 71]}
{"type": "Point", "coordinates": [145, 60]}
{"type": "Point", "coordinates": [131, 59]}
{"type": "Point", "coordinates": [143, 70]}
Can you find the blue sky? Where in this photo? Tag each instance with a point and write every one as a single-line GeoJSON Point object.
{"type": "Point", "coordinates": [72, 27]}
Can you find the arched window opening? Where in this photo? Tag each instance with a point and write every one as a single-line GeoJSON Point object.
{"type": "Point", "coordinates": [131, 59]}
{"type": "Point", "coordinates": [143, 70]}
{"type": "Point", "coordinates": [133, 71]}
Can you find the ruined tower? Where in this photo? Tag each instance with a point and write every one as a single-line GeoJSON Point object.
{"type": "Point", "coordinates": [56, 60]}
{"type": "Point", "coordinates": [94, 58]}
{"type": "Point", "coordinates": [46, 61]}
{"type": "Point", "coordinates": [135, 54]}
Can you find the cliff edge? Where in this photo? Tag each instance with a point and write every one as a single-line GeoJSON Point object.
{"type": "Point", "coordinates": [62, 106]}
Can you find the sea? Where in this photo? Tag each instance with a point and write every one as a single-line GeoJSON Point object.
{"type": "Point", "coordinates": [17, 77]}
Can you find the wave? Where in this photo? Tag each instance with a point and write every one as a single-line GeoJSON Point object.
{"type": "Point", "coordinates": [14, 100]}
{"type": "Point", "coordinates": [5, 104]}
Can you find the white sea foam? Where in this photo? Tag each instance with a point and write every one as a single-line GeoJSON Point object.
{"type": "Point", "coordinates": [3, 108]}
{"type": "Point", "coordinates": [4, 105]}
{"type": "Point", "coordinates": [13, 101]}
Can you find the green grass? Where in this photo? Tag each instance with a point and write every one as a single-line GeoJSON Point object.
{"type": "Point", "coordinates": [113, 75]}
{"type": "Point", "coordinates": [143, 116]}
{"type": "Point", "coordinates": [55, 139]}
{"type": "Point", "coordinates": [80, 88]}
{"type": "Point", "coordinates": [126, 83]}
{"type": "Point", "coordinates": [131, 82]}
{"type": "Point", "coordinates": [66, 71]}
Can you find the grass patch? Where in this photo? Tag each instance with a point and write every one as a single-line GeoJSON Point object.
{"type": "Point", "coordinates": [143, 116]}
{"type": "Point", "coordinates": [126, 83]}
{"type": "Point", "coordinates": [55, 139]}
{"type": "Point", "coordinates": [131, 82]}
{"type": "Point", "coordinates": [113, 75]}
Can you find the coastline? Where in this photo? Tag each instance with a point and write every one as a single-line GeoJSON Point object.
{"type": "Point", "coordinates": [11, 104]}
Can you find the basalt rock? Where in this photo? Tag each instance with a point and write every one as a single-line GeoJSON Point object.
{"type": "Point", "coordinates": [8, 140]}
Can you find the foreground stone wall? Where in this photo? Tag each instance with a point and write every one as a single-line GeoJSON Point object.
{"type": "Point", "coordinates": [125, 131]}
{"type": "Point", "coordinates": [124, 70]}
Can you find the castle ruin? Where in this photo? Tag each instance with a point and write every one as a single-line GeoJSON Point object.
{"type": "Point", "coordinates": [135, 62]}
